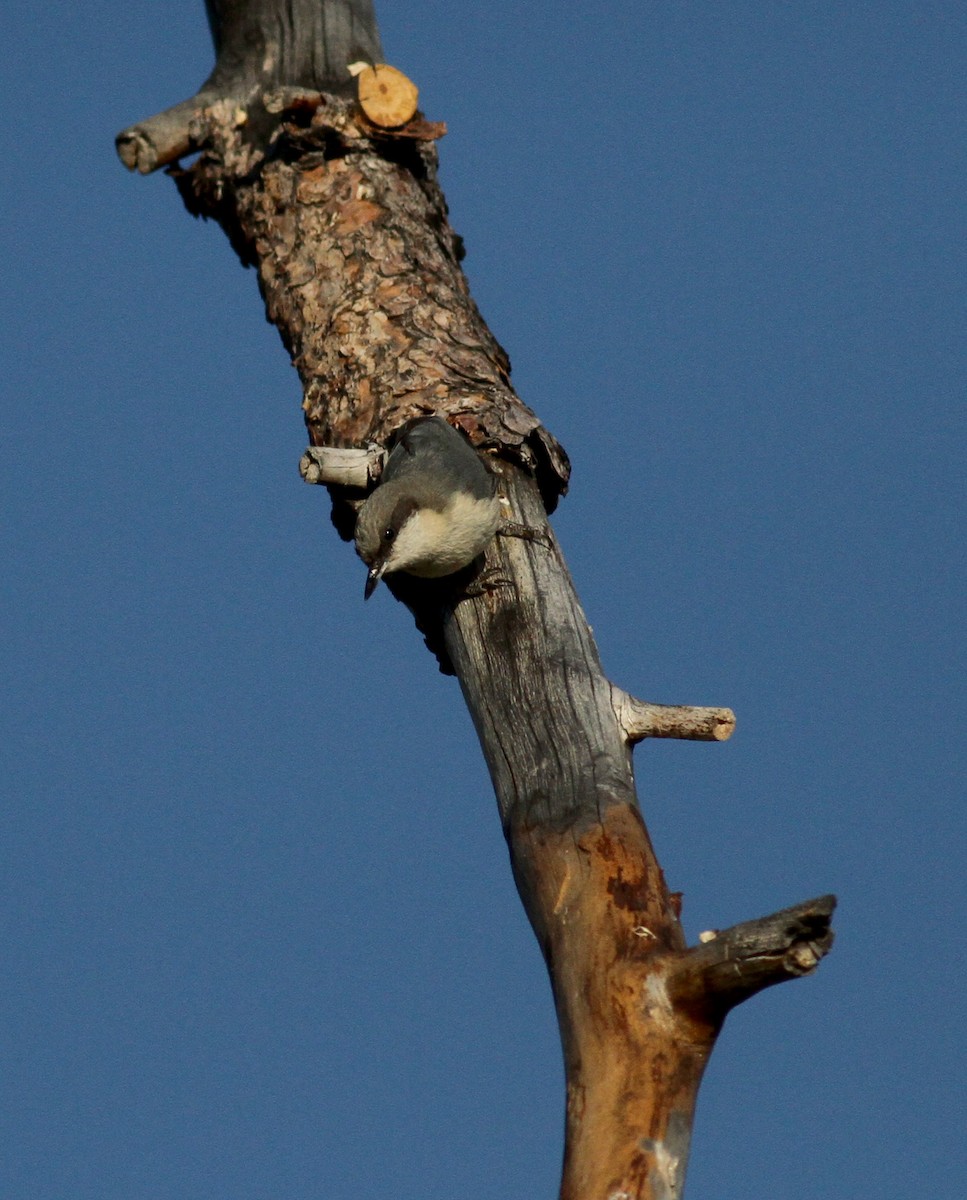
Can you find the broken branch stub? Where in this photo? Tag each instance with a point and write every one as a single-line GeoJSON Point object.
{"type": "Point", "coordinates": [639, 719]}
{"type": "Point", "coordinates": [342, 467]}
{"type": "Point", "coordinates": [733, 964]}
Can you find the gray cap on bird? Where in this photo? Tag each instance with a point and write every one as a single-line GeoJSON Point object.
{"type": "Point", "coordinates": [435, 508]}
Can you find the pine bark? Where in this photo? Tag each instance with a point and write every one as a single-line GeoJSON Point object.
{"type": "Point", "coordinates": [359, 268]}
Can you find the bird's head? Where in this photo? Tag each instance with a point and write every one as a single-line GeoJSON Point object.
{"type": "Point", "coordinates": [387, 533]}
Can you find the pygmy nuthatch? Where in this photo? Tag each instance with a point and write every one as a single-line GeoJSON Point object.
{"type": "Point", "coordinates": [435, 508]}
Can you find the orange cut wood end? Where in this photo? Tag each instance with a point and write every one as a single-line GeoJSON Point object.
{"type": "Point", "coordinates": [386, 96]}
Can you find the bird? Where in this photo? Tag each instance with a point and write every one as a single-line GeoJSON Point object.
{"type": "Point", "coordinates": [435, 509]}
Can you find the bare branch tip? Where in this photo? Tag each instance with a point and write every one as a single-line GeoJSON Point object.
{"type": "Point", "coordinates": [165, 137]}
{"type": "Point", "coordinates": [730, 965]}
{"type": "Point", "coordinates": [640, 719]}
{"type": "Point", "coordinates": [136, 151]}
{"type": "Point", "coordinates": [309, 469]}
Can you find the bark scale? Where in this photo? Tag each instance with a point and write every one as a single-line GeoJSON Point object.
{"type": "Point", "coordinates": [359, 269]}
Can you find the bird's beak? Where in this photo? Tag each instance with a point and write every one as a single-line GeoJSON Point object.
{"type": "Point", "coordinates": [374, 576]}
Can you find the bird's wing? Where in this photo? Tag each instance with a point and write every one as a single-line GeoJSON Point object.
{"type": "Point", "coordinates": [430, 444]}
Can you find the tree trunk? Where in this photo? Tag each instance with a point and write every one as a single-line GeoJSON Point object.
{"type": "Point", "coordinates": [359, 269]}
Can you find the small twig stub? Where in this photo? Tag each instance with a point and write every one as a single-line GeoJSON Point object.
{"type": "Point", "coordinates": [640, 719]}
{"type": "Point", "coordinates": [342, 466]}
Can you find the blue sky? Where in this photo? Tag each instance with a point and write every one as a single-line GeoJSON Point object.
{"type": "Point", "coordinates": [259, 932]}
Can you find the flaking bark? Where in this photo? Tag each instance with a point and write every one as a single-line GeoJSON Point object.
{"type": "Point", "coordinates": [359, 269]}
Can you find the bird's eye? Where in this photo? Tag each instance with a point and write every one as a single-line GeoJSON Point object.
{"type": "Point", "coordinates": [389, 534]}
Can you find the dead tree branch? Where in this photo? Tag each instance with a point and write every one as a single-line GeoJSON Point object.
{"type": "Point", "coordinates": [732, 965]}
{"type": "Point", "coordinates": [359, 269]}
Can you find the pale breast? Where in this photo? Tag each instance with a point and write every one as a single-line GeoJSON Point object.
{"type": "Point", "coordinates": [435, 544]}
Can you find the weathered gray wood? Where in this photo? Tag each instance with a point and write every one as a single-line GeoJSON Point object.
{"type": "Point", "coordinates": [342, 466]}
{"type": "Point", "coordinates": [260, 47]}
{"type": "Point", "coordinates": [640, 719]}
{"type": "Point", "coordinates": [308, 43]}
{"type": "Point", "coordinates": [533, 682]}
{"type": "Point", "coordinates": [733, 964]}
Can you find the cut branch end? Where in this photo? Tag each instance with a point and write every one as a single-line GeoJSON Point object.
{"type": "Point", "coordinates": [386, 95]}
